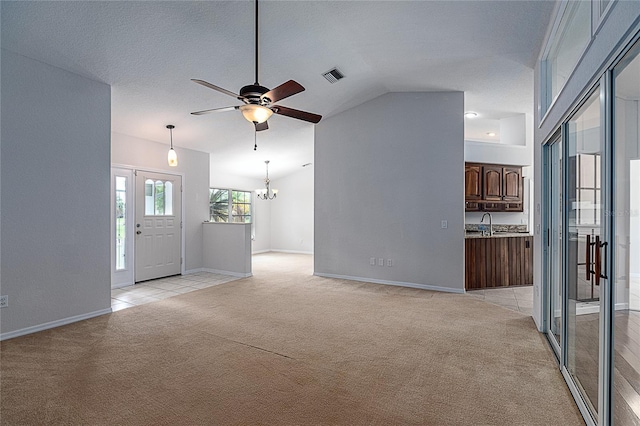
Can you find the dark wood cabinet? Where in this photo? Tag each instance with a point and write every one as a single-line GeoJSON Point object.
{"type": "Point", "coordinates": [512, 184]}
{"type": "Point", "coordinates": [493, 188]}
{"type": "Point", "coordinates": [492, 183]}
{"type": "Point", "coordinates": [472, 182]}
{"type": "Point", "coordinates": [498, 262]}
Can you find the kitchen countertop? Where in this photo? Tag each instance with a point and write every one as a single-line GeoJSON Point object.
{"type": "Point", "coordinates": [496, 234]}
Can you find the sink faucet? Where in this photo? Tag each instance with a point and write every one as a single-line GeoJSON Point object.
{"type": "Point", "coordinates": [490, 222]}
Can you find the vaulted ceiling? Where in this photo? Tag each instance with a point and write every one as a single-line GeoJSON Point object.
{"type": "Point", "coordinates": [149, 50]}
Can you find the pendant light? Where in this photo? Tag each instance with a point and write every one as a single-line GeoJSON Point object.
{"type": "Point", "coordinates": [172, 157]}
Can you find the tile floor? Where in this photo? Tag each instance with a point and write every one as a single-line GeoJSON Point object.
{"type": "Point", "coordinates": [154, 290]}
{"type": "Point", "coordinates": [518, 299]}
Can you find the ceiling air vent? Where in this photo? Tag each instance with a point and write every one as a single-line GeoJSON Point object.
{"type": "Point", "coordinates": [333, 75]}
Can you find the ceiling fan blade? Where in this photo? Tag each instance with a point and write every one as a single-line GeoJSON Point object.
{"type": "Point", "coordinates": [283, 91]}
{"type": "Point", "coordinates": [214, 87]}
{"type": "Point", "coordinates": [295, 113]}
{"type": "Point", "coordinates": [207, 111]}
{"type": "Point", "coordinates": [261, 126]}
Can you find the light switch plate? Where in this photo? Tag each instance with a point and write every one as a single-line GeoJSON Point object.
{"type": "Point", "coordinates": [444, 224]}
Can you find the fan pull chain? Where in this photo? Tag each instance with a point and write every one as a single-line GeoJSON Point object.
{"type": "Point", "coordinates": [255, 140]}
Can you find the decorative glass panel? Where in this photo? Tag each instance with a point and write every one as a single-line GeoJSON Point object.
{"type": "Point", "coordinates": [168, 198]}
{"type": "Point", "coordinates": [159, 198]}
{"type": "Point", "coordinates": [149, 205]}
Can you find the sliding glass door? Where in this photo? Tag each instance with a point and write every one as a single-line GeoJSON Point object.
{"type": "Point", "coordinates": [584, 242]}
{"type": "Point", "coordinates": [592, 247]}
{"type": "Point", "coordinates": [626, 248]}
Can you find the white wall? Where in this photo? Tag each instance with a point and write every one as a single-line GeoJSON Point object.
{"type": "Point", "coordinates": [55, 200]}
{"type": "Point", "coordinates": [227, 248]}
{"type": "Point", "coordinates": [292, 213]}
{"type": "Point", "coordinates": [387, 173]}
{"type": "Point", "coordinates": [194, 165]}
{"type": "Point", "coordinates": [261, 209]}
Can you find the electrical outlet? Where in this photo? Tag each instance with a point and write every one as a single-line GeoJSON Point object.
{"type": "Point", "coordinates": [372, 261]}
{"type": "Point", "coordinates": [444, 224]}
{"type": "Point", "coordinates": [380, 261]}
{"type": "Point", "coordinates": [389, 262]}
{"type": "Point", "coordinates": [4, 301]}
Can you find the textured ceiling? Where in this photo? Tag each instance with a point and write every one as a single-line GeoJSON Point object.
{"type": "Point", "coordinates": [149, 50]}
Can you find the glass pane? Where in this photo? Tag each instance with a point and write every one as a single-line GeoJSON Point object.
{"type": "Point", "coordinates": [567, 46]}
{"type": "Point", "coordinates": [168, 198]}
{"type": "Point", "coordinates": [159, 198]}
{"type": "Point", "coordinates": [219, 205]}
{"type": "Point", "coordinates": [626, 273]}
{"type": "Point", "coordinates": [587, 171]}
{"type": "Point", "coordinates": [149, 206]}
{"type": "Point", "coordinates": [583, 298]}
{"type": "Point", "coordinates": [121, 216]}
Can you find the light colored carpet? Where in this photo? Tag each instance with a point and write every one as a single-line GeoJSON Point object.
{"type": "Point", "coordinates": [287, 348]}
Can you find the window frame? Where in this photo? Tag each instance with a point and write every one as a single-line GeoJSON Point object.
{"type": "Point", "coordinates": [546, 99]}
{"type": "Point", "coordinates": [230, 216]}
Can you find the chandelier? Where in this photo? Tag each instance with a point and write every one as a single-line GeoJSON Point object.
{"type": "Point", "coordinates": [267, 193]}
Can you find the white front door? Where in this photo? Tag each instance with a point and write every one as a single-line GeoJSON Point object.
{"type": "Point", "coordinates": [158, 225]}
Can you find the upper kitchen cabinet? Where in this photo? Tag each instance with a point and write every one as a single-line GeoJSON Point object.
{"type": "Point", "coordinates": [492, 183]}
{"type": "Point", "coordinates": [473, 182]}
{"type": "Point", "coordinates": [512, 184]}
{"type": "Point", "coordinates": [493, 187]}
{"type": "Point", "coordinates": [472, 187]}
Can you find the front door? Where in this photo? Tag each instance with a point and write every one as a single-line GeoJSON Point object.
{"type": "Point", "coordinates": [158, 225]}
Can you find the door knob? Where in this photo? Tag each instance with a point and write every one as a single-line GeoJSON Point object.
{"type": "Point", "coordinates": [138, 232]}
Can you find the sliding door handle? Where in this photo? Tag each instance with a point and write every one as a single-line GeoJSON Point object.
{"type": "Point", "coordinates": [598, 261]}
{"type": "Point", "coordinates": [587, 264]}
{"type": "Point", "coordinates": [601, 272]}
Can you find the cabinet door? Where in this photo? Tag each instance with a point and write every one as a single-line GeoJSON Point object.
{"type": "Point", "coordinates": [492, 183]}
{"type": "Point", "coordinates": [512, 179]}
{"type": "Point", "coordinates": [472, 182]}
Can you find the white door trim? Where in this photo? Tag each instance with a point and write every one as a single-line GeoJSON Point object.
{"type": "Point", "coordinates": [182, 208]}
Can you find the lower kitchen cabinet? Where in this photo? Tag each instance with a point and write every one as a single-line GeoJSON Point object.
{"type": "Point", "coordinates": [493, 262]}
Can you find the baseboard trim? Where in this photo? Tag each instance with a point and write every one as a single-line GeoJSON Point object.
{"type": "Point", "coordinates": [396, 283]}
{"type": "Point", "coordinates": [233, 274]}
{"type": "Point", "coordinates": [291, 251]}
{"type": "Point", "coordinates": [53, 324]}
{"type": "Point", "coordinates": [260, 251]}
{"type": "Point", "coordinates": [193, 271]}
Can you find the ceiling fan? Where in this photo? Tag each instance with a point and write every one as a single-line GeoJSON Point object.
{"type": "Point", "coordinates": [259, 101]}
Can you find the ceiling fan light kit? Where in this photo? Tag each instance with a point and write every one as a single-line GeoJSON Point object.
{"type": "Point", "coordinates": [256, 113]}
{"type": "Point", "coordinates": [259, 101]}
